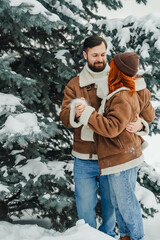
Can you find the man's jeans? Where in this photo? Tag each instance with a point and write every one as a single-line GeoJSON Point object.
{"type": "Point", "coordinates": [86, 178]}
{"type": "Point", "coordinates": [128, 212]}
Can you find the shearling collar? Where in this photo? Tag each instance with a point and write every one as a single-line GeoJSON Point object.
{"type": "Point", "coordinates": [101, 109]}
{"type": "Point", "coordinates": [100, 79]}
{"type": "Point", "coordinates": [140, 84]}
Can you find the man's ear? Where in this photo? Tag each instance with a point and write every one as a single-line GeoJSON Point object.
{"type": "Point", "coordinates": [85, 55]}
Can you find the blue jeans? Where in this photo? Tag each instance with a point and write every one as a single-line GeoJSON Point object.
{"type": "Point", "coordinates": [128, 212]}
{"type": "Point", "coordinates": [87, 178]}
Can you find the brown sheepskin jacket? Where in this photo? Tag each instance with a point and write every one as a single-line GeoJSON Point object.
{"type": "Point", "coordinates": [117, 149]}
{"type": "Point", "coordinates": [81, 149]}
{"type": "Point", "coordinates": [87, 149]}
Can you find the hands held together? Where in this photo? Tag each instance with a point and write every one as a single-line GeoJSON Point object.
{"type": "Point", "coordinates": [79, 108]}
{"type": "Point", "coordinates": [132, 127]}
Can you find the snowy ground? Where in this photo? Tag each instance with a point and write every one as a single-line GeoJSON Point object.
{"type": "Point", "coordinates": [83, 231]}
{"type": "Point", "coordinates": [29, 232]}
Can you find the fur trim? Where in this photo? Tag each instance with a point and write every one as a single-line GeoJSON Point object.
{"type": "Point", "coordinates": [101, 109]}
{"type": "Point", "coordinates": [84, 156]}
{"type": "Point", "coordinates": [123, 167]}
{"type": "Point", "coordinates": [87, 134]}
{"type": "Point", "coordinates": [144, 145]}
{"type": "Point", "coordinates": [86, 115]}
{"type": "Point", "coordinates": [73, 113]}
{"type": "Point", "coordinates": [146, 130]}
{"type": "Point", "coordinates": [77, 100]}
{"type": "Point", "coordinates": [140, 84]}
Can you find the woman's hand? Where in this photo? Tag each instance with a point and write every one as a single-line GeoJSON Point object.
{"type": "Point", "coordinates": [79, 108]}
{"type": "Point", "coordinates": [136, 126]}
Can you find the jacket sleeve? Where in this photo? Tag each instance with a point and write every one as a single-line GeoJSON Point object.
{"type": "Point", "coordinates": [119, 115]}
{"type": "Point", "coordinates": [147, 111]}
{"type": "Point", "coordinates": [67, 114]}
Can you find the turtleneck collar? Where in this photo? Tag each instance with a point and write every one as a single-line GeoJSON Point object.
{"type": "Point", "coordinates": [88, 77]}
{"type": "Point", "coordinates": [96, 74]}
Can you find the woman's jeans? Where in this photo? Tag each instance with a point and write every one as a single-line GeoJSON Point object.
{"type": "Point", "coordinates": [87, 178]}
{"type": "Point", "coordinates": [128, 212]}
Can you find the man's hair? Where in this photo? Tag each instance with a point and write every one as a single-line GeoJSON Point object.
{"type": "Point", "coordinates": [93, 41]}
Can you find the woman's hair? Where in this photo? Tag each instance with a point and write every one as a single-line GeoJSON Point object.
{"type": "Point", "coordinates": [117, 79]}
{"type": "Point", "coordinates": [93, 41]}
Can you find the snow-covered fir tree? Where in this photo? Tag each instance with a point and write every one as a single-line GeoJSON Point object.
{"type": "Point", "coordinates": [41, 50]}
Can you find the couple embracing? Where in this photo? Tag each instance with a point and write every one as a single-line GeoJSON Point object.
{"type": "Point", "coordinates": [109, 110]}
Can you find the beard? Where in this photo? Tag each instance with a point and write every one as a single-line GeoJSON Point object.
{"type": "Point", "coordinates": [97, 66]}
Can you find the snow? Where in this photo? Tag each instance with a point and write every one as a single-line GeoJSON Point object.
{"type": "Point", "coordinates": [151, 153]}
{"type": "Point", "coordinates": [146, 197]}
{"type": "Point", "coordinates": [130, 7]}
{"type": "Point", "coordinates": [23, 123]}
{"type": "Point", "coordinates": [33, 232]}
{"type": "Point", "coordinates": [14, 152]}
{"type": "Point", "coordinates": [8, 103]}
{"type": "Point", "coordinates": [66, 11]}
{"type": "Point", "coordinates": [77, 3]}
{"type": "Point", "coordinates": [124, 35]}
{"type": "Point", "coordinates": [147, 24]}
{"type": "Point", "coordinates": [3, 188]}
{"type": "Point", "coordinates": [61, 55]}
{"type": "Point", "coordinates": [9, 99]}
{"type": "Point", "coordinates": [38, 168]}
{"type": "Point", "coordinates": [35, 8]}
{"type": "Point", "coordinates": [157, 44]}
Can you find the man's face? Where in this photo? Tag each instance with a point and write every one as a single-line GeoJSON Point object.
{"type": "Point", "coordinates": [96, 57]}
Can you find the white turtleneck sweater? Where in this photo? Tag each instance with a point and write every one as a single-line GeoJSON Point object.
{"type": "Point", "coordinates": [88, 77]}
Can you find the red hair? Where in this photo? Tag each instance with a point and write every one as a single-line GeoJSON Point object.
{"type": "Point", "coordinates": [117, 79]}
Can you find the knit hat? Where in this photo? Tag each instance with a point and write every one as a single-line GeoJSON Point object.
{"type": "Point", "coordinates": [127, 63]}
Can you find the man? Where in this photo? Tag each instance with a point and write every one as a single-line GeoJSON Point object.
{"type": "Point", "coordinates": [90, 84]}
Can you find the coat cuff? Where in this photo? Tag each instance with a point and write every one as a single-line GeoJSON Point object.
{"type": "Point", "coordinates": [75, 124]}
{"type": "Point", "coordinates": [87, 134]}
{"type": "Point", "coordinates": [146, 128]}
{"type": "Point", "coordinates": [86, 115]}
{"type": "Point", "coordinates": [144, 145]}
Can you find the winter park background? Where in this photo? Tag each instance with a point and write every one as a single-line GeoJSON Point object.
{"type": "Point", "coordinates": [40, 51]}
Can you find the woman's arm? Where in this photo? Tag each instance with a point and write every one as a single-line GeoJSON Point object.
{"type": "Point", "coordinates": [119, 115]}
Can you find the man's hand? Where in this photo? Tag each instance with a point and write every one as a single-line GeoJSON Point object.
{"type": "Point", "coordinates": [134, 127]}
{"type": "Point", "coordinates": [79, 108]}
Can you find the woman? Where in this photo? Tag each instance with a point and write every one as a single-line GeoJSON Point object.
{"type": "Point", "coordinates": [120, 152]}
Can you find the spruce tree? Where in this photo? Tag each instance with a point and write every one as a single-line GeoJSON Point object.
{"type": "Point", "coordinates": [41, 50]}
{"type": "Point", "coordinates": [30, 57]}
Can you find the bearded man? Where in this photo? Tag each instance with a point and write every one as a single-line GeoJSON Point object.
{"type": "Point", "coordinates": [91, 85]}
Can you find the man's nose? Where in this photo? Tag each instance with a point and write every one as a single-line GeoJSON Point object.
{"type": "Point", "coordinates": [99, 59]}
